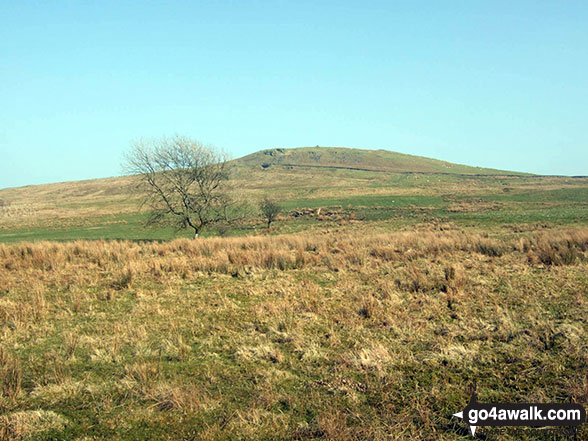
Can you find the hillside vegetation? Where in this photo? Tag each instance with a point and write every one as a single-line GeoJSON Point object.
{"type": "Point", "coordinates": [384, 289]}
{"type": "Point", "coordinates": [358, 159]}
{"type": "Point", "coordinates": [332, 336]}
{"type": "Point", "coordinates": [319, 189]}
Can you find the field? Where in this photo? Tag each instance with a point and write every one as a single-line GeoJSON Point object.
{"type": "Point", "coordinates": [366, 313]}
{"type": "Point", "coordinates": [309, 336]}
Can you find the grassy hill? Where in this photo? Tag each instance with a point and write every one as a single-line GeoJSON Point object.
{"type": "Point", "coordinates": [385, 189]}
{"type": "Point", "coordinates": [403, 284]}
{"type": "Point", "coordinates": [358, 159]}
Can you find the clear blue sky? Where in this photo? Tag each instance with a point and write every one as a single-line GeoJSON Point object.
{"type": "Point", "coordinates": [500, 84]}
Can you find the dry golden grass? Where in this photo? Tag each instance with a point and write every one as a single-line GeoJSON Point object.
{"type": "Point", "coordinates": [312, 336]}
{"type": "Point", "coordinates": [26, 425]}
{"type": "Point", "coordinates": [122, 261]}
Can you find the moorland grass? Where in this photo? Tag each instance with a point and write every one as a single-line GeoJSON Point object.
{"type": "Point", "coordinates": [326, 335]}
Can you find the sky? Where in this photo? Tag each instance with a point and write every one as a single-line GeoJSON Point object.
{"type": "Point", "coordinates": [501, 84]}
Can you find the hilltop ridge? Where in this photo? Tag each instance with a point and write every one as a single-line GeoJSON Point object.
{"type": "Point", "coordinates": [325, 157]}
{"type": "Point", "coordinates": [359, 159]}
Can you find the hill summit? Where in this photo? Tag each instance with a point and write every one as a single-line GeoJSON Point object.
{"type": "Point", "coordinates": [358, 159]}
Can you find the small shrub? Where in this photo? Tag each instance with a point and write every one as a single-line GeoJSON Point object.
{"type": "Point", "coordinates": [223, 230]}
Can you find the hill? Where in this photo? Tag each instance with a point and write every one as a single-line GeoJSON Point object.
{"type": "Point", "coordinates": [318, 188]}
{"type": "Point", "coordinates": [358, 159]}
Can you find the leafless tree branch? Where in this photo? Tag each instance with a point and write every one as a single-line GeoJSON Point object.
{"type": "Point", "coordinates": [181, 181]}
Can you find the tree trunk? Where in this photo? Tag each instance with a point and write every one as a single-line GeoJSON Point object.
{"type": "Point", "coordinates": [195, 233]}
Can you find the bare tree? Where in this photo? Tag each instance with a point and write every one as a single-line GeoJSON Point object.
{"type": "Point", "coordinates": [270, 210]}
{"type": "Point", "coordinates": [182, 181]}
